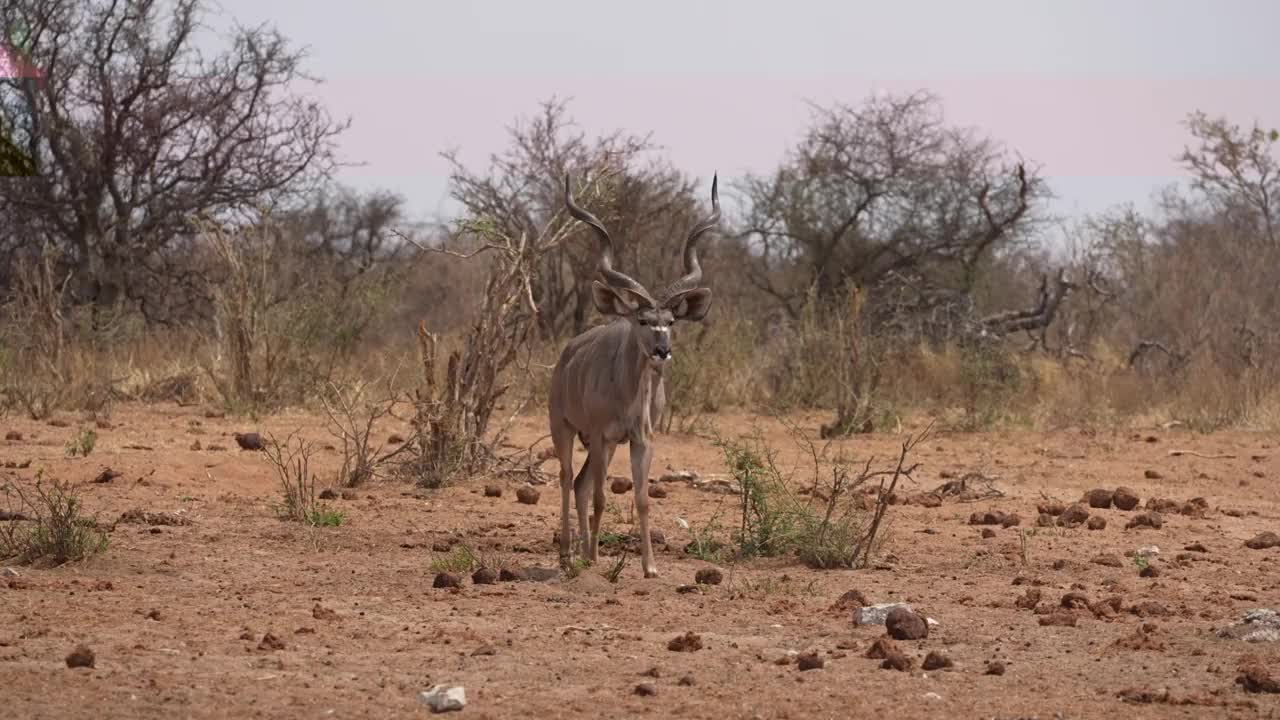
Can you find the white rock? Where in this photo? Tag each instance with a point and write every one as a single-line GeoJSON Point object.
{"type": "Point", "coordinates": [1261, 625]}
{"type": "Point", "coordinates": [444, 698]}
{"type": "Point", "coordinates": [1147, 551]}
{"type": "Point", "coordinates": [9, 572]}
{"type": "Point", "coordinates": [932, 696]}
{"type": "Point", "coordinates": [875, 614]}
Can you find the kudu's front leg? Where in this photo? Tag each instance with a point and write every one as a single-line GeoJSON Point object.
{"type": "Point", "coordinates": [641, 454]}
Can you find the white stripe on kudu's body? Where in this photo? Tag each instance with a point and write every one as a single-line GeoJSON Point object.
{"type": "Point", "coordinates": [607, 386]}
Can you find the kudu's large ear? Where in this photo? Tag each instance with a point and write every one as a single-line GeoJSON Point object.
{"type": "Point", "coordinates": [689, 304]}
{"type": "Point", "coordinates": [611, 300]}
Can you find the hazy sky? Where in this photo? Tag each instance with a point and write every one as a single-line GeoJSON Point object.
{"type": "Point", "coordinates": [1096, 92]}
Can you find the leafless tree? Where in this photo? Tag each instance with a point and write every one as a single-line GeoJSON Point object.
{"type": "Point", "coordinates": [134, 131]}
{"type": "Point", "coordinates": [646, 202]}
{"type": "Point", "coordinates": [881, 188]}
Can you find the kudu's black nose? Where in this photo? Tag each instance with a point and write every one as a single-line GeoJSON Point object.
{"type": "Point", "coordinates": [662, 353]}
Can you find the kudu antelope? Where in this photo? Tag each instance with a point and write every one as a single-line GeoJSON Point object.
{"type": "Point", "coordinates": [607, 388]}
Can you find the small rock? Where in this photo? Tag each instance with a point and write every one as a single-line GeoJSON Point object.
{"type": "Point", "coordinates": [1029, 599]}
{"type": "Point", "coordinates": [995, 667]}
{"type": "Point", "coordinates": [1046, 520]}
{"type": "Point", "coordinates": [883, 647]}
{"type": "Point", "coordinates": [444, 698]}
{"type": "Point", "coordinates": [810, 661]}
{"type": "Point", "coordinates": [1096, 522]}
{"type": "Point", "coordinates": [686, 681]}
{"type": "Point", "coordinates": [320, 612]}
{"type": "Point", "coordinates": [990, 517]}
{"type": "Point", "coordinates": [1196, 547]}
{"type": "Point", "coordinates": [395, 439]}
{"type": "Point", "coordinates": [688, 642]}
{"type": "Point", "coordinates": [657, 490]}
{"type": "Point", "coordinates": [446, 580]}
{"type": "Point", "coordinates": [620, 485]}
{"type": "Point", "coordinates": [897, 661]}
{"type": "Point", "coordinates": [1164, 505]}
{"type": "Point", "coordinates": [1099, 498]}
{"type": "Point", "coordinates": [1125, 499]}
{"type": "Point", "coordinates": [1150, 519]}
{"type": "Point", "coordinates": [270, 642]}
{"type": "Point", "coordinates": [512, 575]}
{"type": "Point", "coordinates": [876, 614]}
{"type": "Point", "coordinates": [1051, 507]}
{"type": "Point", "coordinates": [1152, 475]}
{"type": "Point", "coordinates": [527, 495]}
{"type": "Point", "coordinates": [1074, 601]}
{"type": "Point", "coordinates": [1148, 551]}
{"type": "Point", "coordinates": [13, 436]}
{"type": "Point", "coordinates": [1263, 541]}
{"type": "Point", "coordinates": [484, 576]}
{"type": "Point", "coordinates": [1262, 625]}
{"type": "Point", "coordinates": [1256, 679]}
{"type": "Point", "coordinates": [936, 661]}
{"type": "Point", "coordinates": [1011, 520]}
{"type": "Point", "coordinates": [154, 614]}
{"type": "Point", "coordinates": [904, 624]}
{"type": "Point", "coordinates": [1073, 515]}
{"type": "Point", "coordinates": [646, 689]}
{"type": "Point", "coordinates": [1058, 618]}
{"type": "Point", "coordinates": [80, 657]}
{"type": "Point", "coordinates": [849, 601]}
{"type": "Point", "coordinates": [328, 494]}
{"type": "Point", "coordinates": [106, 475]}
{"type": "Point", "coordinates": [493, 491]}
{"type": "Point", "coordinates": [1149, 571]}
{"type": "Point", "coordinates": [988, 533]}
{"type": "Point", "coordinates": [708, 576]}
{"type": "Point", "coordinates": [249, 441]}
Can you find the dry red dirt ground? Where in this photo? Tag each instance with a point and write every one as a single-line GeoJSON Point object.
{"type": "Point", "coordinates": [176, 614]}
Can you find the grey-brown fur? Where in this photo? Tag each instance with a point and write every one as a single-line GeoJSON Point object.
{"type": "Point", "coordinates": [607, 385]}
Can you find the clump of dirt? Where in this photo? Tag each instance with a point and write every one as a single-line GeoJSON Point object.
{"type": "Point", "coordinates": [1255, 678]}
{"type": "Point", "coordinates": [883, 647]}
{"type": "Point", "coordinates": [1097, 522]}
{"type": "Point", "coordinates": [936, 661]}
{"type": "Point", "coordinates": [1150, 519]}
{"type": "Point", "coordinates": [1163, 505]}
{"type": "Point", "coordinates": [81, 657]}
{"type": "Point", "coordinates": [988, 533]}
{"type": "Point", "coordinates": [248, 441]}
{"type": "Point", "coordinates": [527, 495]}
{"type": "Point", "coordinates": [995, 667]}
{"type": "Point", "coordinates": [1124, 498]}
{"type": "Point", "coordinates": [1263, 541]}
{"type": "Point", "coordinates": [1058, 618]}
{"type": "Point", "coordinates": [851, 600]}
{"type": "Point", "coordinates": [1074, 601]}
{"type": "Point", "coordinates": [646, 689]}
{"type": "Point", "coordinates": [446, 580]}
{"type": "Point", "coordinates": [656, 490]}
{"type": "Point", "coordinates": [620, 485]}
{"type": "Point", "coordinates": [1144, 637]}
{"type": "Point", "coordinates": [144, 517]}
{"type": "Point", "coordinates": [1149, 608]}
{"type": "Point", "coordinates": [1108, 560]}
{"type": "Point", "coordinates": [484, 576]}
{"type": "Point", "coordinates": [270, 642]}
{"type": "Point", "coordinates": [810, 661]}
{"type": "Point", "coordinates": [708, 576]}
{"type": "Point", "coordinates": [688, 642]}
{"type": "Point", "coordinates": [512, 574]}
{"type": "Point", "coordinates": [323, 613]}
{"type": "Point", "coordinates": [897, 661]}
{"type": "Point", "coordinates": [1073, 516]}
{"type": "Point", "coordinates": [1029, 599]}
{"type": "Point", "coordinates": [904, 624]}
{"type": "Point", "coordinates": [1051, 507]}
{"type": "Point", "coordinates": [1099, 498]}
{"type": "Point", "coordinates": [493, 491]}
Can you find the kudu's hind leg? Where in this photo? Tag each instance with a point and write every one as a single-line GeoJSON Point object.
{"type": "Point", "coordinates": [600, 473]}
{"type": "Point", "coordinates": [582, 496]}
{"type": "Point", "coordinates": [563, 441]}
